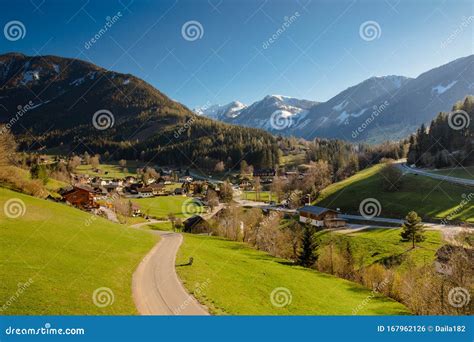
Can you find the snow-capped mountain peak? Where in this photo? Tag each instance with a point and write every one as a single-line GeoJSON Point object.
{"type": "Point", "coordinates": [259, 113]}
{"type": "Point", "coordinates": [221, 112]}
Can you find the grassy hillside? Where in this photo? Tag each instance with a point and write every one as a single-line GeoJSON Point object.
{"type": "Point", "coordinates": [68, 254]}
{"type": "Point", "coordinates": [231, 278]}
{"type": "Point", "coordinates": [430, 198]}
{"type": "Point", "coordinates": [460, 172]}
{"type": "Point", "coordinates": [264, 196]}
{"type": "Point", "coordinates": [161, 206]}
{"type": "Point", "coordinates": [17, 175]}
{"type": "Point", "coordinates": [113, 170]}
{"type": "Point", "coordinates": [384, 246]}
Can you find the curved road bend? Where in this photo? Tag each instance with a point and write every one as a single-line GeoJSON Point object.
{"type": "Point", "coordinates": [456, 180]}
{"type": "Point", "coordinates": [156, 287]}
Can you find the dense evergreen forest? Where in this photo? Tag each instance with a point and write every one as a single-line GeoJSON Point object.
{"type": "Point", "coordinates": [448, 141]}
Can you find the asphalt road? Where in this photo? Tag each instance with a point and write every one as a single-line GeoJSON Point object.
{"type": "Point", "coordinates": [156, 287]}
{"type": "Point", "coordinates": [461, 181]}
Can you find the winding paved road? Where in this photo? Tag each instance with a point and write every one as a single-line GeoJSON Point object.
{"type": "Point", "coordinates": [462, 181]}
{"type": "Point", "coordinates": [156, 287]}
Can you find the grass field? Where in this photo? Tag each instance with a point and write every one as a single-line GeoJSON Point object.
{"type": "Point", "coordinates": [293, 159]}
{"type": "Point", "coordinates": [159, 207]}
{"type": "Point", "coordinates": [384, 245]}
{"type": "Point", "coordinates": [231, 278]}
{"type": "Point", "coordinates": [460, 172]}
{"type": "Point", "coordinates": [113, 169]}
{"type": "Point", "coordinates": [264, 196]}
{"type": "Point", "coordinates": [68, 254]}
{"type": "Point", "coordinates": [430, 198]}
{"type": "Point", "coordinates": [52, 186]}
{"type": "Point", "coordinates": [161, 226]}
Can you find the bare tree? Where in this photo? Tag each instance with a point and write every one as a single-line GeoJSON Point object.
{"type": "Point", "coordinates": [212, 199]}
{"type": "Point", "coordinates": [95, 161]}
{"type": "Point", "coordinates": [7, 146]}
{"type": "Point", "coordinates": [257, 187]}
{"type": "Point", "coordinates": [220, 167]}
{"type": "Point", "coordinates": [277, 188]}
{"type": "Point", "coordinates": [73, 163]}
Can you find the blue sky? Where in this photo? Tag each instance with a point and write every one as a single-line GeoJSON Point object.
{"type": "Point", "coordinates": [319, 53]}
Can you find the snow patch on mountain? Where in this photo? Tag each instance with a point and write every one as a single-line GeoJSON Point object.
{"type": "Point", "coordinates": [440, 89]}
{"type": "Point", "coordinates": [341, 105]}
{"type": "Point", "coordinates": [30, 76]}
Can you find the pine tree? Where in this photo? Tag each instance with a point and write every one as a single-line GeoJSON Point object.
{"type": "Point", "coordinates": [412, 228]}
{"type": "Point", "coordinates": [307, 255]}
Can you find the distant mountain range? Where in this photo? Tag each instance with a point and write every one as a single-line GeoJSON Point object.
{"type": "Point", "coordinates": [75, 106]}
{"type": "Point", "coordinates": [375, 110]}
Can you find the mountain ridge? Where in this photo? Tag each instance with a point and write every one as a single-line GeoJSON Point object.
{"type": "Point", "coordinates": [393, 105]}
{"type": "Point", "coordinates": [51, 102]}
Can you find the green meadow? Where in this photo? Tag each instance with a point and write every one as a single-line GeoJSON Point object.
{"type": "Point", "coordinates": [159, 207]}
{"type": "Point", "coordinates": [233, 279]}
{"type": "Point", "coordinates": [430, 198]}
{"type": "Point", "coordinates": [68, 255]}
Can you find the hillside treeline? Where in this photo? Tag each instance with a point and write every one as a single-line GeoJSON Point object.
{"type": "Point", "coordinates": [448, 141]}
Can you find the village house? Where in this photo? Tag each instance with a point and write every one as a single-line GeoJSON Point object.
{"type": "Point", "coordinates": [180, 191]}
{"type": "Point", "coordinates": [130, 179]}
{"type": "Point", "coordinates": [81, 196]}
{"type": "Point", "coordinates": [157, 189]}
{"type": "Point", "coordinates": [185, 179]}
{"type": "Point", "coordinates": [320, 217]}
{"type": "Point", "coordinates": [97, 182]}
{"type": "Point", "coordinates": [145, 192]}
{"type": "Point", "coordinates": [264, 173]}
{"type": "Point", "coordinates": [196, 225]}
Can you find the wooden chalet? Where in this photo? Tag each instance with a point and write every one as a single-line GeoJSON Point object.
{"type": "Point", "coordinates": [264, 173]}
{"type": "Point", "coordinates": [81, 196]}
{"type": "Point", "coordinates": [320, 217]}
